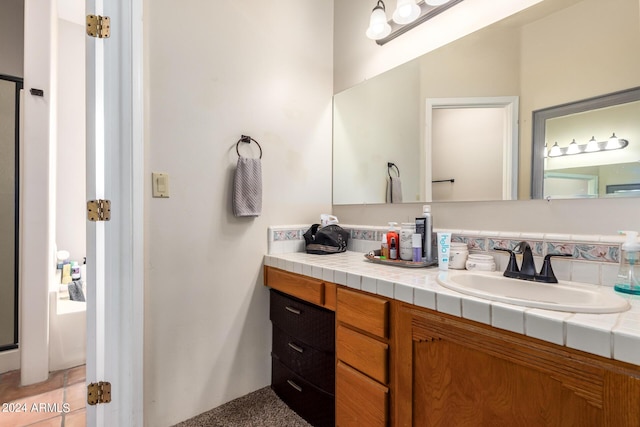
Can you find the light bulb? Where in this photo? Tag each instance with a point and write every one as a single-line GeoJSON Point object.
{"type": "Point", "coordinates": [613, 143]}
{"type": "Point", "coordinates": [592, 145]}
{"type": "Point", "coordinates": [573, 148]}
{"type": "Point", "coordinates": [378, 26]}
{"type": "Point", "coordinates": [555, 150]}
{"type": "Point", "coordinates": [406, 11]}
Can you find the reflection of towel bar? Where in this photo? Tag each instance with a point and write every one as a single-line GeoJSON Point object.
{"type": "Point", "coordinates": [444, 180]}
{"type": "Point", "coordinates": [392, 165]}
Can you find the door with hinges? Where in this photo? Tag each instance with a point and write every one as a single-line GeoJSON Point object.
{"type": "Point", "coordinates": [115, 243]}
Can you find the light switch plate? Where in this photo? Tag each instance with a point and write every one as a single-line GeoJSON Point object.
{"type": "Point", "coordinates": [160, 184]}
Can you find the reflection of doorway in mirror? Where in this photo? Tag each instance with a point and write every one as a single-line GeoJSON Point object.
{"type": "Point", "coordinates": [570, 185]}
{"type": "Point", "coordinates": [471, 144]}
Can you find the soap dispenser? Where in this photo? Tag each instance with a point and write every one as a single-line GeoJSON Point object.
{"type": "Point", "coordinates": [628, 280]}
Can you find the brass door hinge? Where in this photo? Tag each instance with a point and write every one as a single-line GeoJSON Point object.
{"type": "Point", "coordinates": [99, 392]}
{"type": "Point", "coordinates": [98, 26]}
{"type": "Point", "coordinates": [99, 210]}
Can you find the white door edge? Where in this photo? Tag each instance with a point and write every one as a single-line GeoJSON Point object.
{"type": "Point", "coordinates": [115, 315]}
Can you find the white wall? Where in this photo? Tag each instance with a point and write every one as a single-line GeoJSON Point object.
{"type": "Point", "coordinates": [214, 71]}
{"type": "Point", "coordinates": [368, 134]}
{"type": "Point", "coordinates": [477, 173]}
{"type": "Point", "coordinates": [71, 157]}
{"type": "Point", "coordinates": [37, 221]}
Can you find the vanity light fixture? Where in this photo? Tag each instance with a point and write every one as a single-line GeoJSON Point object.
{"type": "Point", "coordinates": [593, 146]}
{"type": "Point", "coordinates": [408, 14]}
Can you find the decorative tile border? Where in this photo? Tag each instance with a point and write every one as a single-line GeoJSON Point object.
{"type": "Point", "coordinates": [282, 235]}
{"type": "Point", "coordinates": [602, 249]}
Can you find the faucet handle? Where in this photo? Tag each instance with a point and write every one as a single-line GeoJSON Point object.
{"type": "Point", "coordinates": [513, 264]}
{"type": "Point", "coordinates": [546, 273]}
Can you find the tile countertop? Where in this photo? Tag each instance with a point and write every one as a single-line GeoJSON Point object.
{"type": "Point", "coordinates": [616, 336]}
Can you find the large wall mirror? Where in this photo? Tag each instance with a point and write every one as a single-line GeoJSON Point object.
{"type": "Point", "coordinates": [554, 53]}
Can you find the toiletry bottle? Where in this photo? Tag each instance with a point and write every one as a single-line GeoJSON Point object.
{"type": "Point", "coordinates": [428, 241]}
{"type": "Point", "coordinates": [416, 247]}
{"type": "Point", "coordinates": [391, 234]}
{"type": "Point", "coordinates": [393, 248]}
{"type": "Point", "coordinates": [406, 234]}
{"type": "Point", "coordinates": [384, 247]}
{"type": "Point", "coordinates": [628, 280]}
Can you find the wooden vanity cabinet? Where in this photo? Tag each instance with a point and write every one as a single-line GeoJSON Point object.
{"type": "Point", "coordinates": [362, 352]}
{"type": "Point", "coordinates": [453, 372]}
{"type": "Point", "coordinates": [308, 289]}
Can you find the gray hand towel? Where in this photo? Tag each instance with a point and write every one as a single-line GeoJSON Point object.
{"type": "Point", "coordinates": [247, 187]}
{"type": "Point", "coordinates": [75, 291]}
{"type": "Point", "coordinates": [394, 190]}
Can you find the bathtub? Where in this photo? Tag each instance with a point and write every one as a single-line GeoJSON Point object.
{"type": "Point", "coordinates": [67, 327]}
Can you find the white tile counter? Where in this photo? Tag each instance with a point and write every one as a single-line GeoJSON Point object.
{"type": "Point", "coordinates": [615, 336]}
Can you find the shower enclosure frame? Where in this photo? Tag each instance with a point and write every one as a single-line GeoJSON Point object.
{"type": "Point", "coordinates": [16, 238]}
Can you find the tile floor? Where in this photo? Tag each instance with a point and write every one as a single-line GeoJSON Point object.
{"type": "Point", "coordinates": [58, 402]}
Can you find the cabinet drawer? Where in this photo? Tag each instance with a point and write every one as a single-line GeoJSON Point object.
{"type": "Point", "coordinates": [305, 288]}
{"type": "Point", "coordinates": [311, 403]}
{"type": "Point", "coordinates": [364, 312]}
{"type": "Point", "coordinates": [315, 366]}
{"type": "Point", "coordinates": [307, 323]}
{"type": "Point", "coordinates": [360, 401]}
{"type": "Point", "coordinates": [367, 355]}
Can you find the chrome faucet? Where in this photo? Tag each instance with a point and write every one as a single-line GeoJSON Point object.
{"type": "Point", "coordinates": [527, 270]}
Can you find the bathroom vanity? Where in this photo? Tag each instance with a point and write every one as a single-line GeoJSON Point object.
{"type": "Point", "coordinates": [409, 352]}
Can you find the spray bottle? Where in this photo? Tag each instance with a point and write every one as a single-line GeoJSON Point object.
{"type": "Point", "coordinates": [628, 280]}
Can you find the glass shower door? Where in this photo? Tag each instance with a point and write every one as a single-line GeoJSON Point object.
{"type": "Point", "coordinates": [9, 148]}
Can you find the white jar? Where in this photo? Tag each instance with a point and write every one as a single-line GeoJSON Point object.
{"type": "Point", "coordinates": [458, 253]}
{"type": "Point", "coordinates": [407, 230]}
{"type": "Point", "coordinates": [481, 262]}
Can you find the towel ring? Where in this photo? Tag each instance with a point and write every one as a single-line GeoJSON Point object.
{"type": "Point", "coordinates": [392, 165]}
{"type": "Point", "coordinates": [247, 139]}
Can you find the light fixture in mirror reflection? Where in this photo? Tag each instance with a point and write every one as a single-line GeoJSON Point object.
{"type": "Point", "coordinates": [533, 55]}
{"type": "Point", "coordinates": [593, 146]}
{"type": "Point", "coordinates": [603, 168]}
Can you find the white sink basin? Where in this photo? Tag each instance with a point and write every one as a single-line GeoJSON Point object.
{"type": "Point", "coordinates": [563, 296]}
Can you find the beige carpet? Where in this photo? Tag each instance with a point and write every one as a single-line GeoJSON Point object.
{"type": "Point", "coordinates": [262, 408]}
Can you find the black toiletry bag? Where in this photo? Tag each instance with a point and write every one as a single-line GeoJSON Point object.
{"type": "Point", "coordinates": [330, 239]}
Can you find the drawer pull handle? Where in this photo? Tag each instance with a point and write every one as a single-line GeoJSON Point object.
{"type": "Point", "coordinates": [292, 310]}
{"type": "Point", "coordinates": [294, 385]}
{"type": "Point", "coordinates": [296, 348]}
